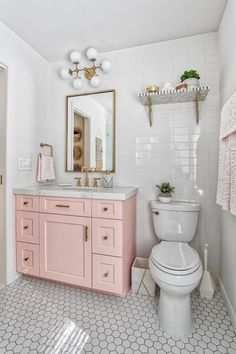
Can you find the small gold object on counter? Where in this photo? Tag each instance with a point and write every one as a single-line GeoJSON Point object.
{"type": "Point", "coordinates": [95, 181]}
{"type": "Point", "coordinates": [153, 89]}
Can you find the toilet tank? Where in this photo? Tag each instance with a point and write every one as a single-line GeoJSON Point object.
{"type": "Point", "coordinates": [175, 221]}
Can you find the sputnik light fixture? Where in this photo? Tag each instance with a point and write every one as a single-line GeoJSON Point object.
{"type": "Point", "coordinates": [90, 72]}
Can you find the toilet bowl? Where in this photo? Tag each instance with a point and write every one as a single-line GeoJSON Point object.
{"type": "Point", "coordinates": [174, 265]}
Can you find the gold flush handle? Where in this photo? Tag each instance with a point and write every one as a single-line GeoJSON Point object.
{"type": "Point", "coordinates": [86, 233]}
{"type": "Point", "coordinates": [156, 212]}
{"type": "Point", "coordinates": [105, 275]}
{"type": "Point", "coordinates": [62, 206]}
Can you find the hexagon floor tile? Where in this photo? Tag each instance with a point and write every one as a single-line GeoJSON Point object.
{"type": "Point", "coordinates": [39, 316]}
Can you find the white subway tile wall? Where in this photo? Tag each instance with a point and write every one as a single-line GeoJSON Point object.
{"type": "Point", "coordinates": [175, 149]}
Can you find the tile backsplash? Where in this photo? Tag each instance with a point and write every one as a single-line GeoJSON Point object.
{"type": "Point", "coordinates": [175, 149]}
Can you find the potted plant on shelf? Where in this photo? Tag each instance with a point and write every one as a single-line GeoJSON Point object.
{"type": "Point", "coordinates": [165, 192]}
{"type": "Point", "coordinates": [191, 78]}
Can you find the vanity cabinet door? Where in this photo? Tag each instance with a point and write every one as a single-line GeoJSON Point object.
{"type": "Point", "coordinates": [107, 209]}
{"type": "Point", "coordinates": [65, 249]}
{"type": "Point", "coordinates": [27, 258]}
{"type": "Point", "coordinates": [26, 202]}
{"type": "Point", "coordinates": [107, 274]}
{"type": "Point", "coordinates": [107, 237]}
{"type": "Point", "coordinates": [27, 226]}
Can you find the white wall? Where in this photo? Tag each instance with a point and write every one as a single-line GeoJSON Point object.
{"type": "Point", "coordinates": [3, 103]}
{"type": "Point", "coordinates": [174, 149]}
{"type": "Point", "coordinates": [27, 107]}
{"type": "Point", "coordinates": [227, 40]}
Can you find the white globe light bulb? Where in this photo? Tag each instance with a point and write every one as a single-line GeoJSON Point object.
{"type": "Point", "coordinates": [92, 54]}
{"type": "Point", "coordinates": [64, 73]}
{"type": "Point", "coordinates": [75, 57]}
{"type": "Point", "coordinates": [77, 83]}
{"type": "Point", "coordinates": [95, 81]}
{"type": "Point", "coordinates": [106, 66]}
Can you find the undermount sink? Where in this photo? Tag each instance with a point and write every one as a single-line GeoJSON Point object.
{"type": "Point", "coordinates": [76, 188]}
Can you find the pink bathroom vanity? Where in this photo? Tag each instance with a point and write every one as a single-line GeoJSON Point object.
{"type": "Point", "coordinates": [84, 238]}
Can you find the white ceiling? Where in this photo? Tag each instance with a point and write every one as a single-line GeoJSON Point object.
{"type": "Point", "coordinates": [54, 27]}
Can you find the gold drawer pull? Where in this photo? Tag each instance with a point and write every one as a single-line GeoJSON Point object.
{"type": "Point", "coordinates": [86, 233]}
{"type": "Point", "coordinates": [105, 238]}
{"type": "Point", "coordinates": [26, 203]}
{"type": "Point", "coordinates": [105, 275]}
{"type": "Point", "coordinates": [156, 212]}
{"type": "Point", "coordinates": [26, 259]}
{"type": "Point", "coordinates": [62, 206]}
{"type": "Point", "coordinates": [105, 209]}
{"type": "Point", "coordinates": [26, 227]}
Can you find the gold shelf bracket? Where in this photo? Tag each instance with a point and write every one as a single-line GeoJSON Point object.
{"type": "Point", "coordinates": [197, 108]}
{"type": "Point", "coordinates": [150, 112]}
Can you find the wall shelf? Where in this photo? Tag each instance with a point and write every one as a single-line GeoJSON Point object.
{"type": "Point", "coordinates": [177, 96]}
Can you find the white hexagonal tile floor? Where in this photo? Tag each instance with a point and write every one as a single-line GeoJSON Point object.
{"type": "Point", "coordinates": [39, 316]}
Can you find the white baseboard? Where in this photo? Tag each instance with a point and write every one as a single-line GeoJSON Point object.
{"type": "Point", "coordinates": [13, 277]}
{"type": "Point", "coordinates": [228, 304]}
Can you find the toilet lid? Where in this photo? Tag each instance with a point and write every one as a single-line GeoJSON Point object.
{"type": "Point", "coordinates": [177, 256]}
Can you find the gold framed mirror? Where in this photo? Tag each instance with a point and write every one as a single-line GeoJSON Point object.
{"type": "Point", "coordinates": [90, 131]}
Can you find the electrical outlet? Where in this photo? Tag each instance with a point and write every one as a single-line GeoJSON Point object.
{"type": "Point", "coordinates": [24, 164]}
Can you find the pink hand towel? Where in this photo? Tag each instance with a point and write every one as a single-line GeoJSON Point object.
{"type": "Point", "coordinates": [46, 170]}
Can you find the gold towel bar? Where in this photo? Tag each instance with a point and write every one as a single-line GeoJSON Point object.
{"type": "Point", "coordinates": [47, 145]}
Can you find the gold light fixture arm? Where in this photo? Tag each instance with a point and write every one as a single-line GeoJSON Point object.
{"type": "Point", "coordinates": [89, 72]}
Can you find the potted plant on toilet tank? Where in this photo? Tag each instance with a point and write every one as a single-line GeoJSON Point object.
{"type": "Point", "coordinates": [166, 189]}
{"type": "Point", "coordinates": [191, 78]}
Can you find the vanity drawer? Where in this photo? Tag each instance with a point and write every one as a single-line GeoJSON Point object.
{"type": "Point", "coordinates": [107, 273]}
{"type": "Point", "coordinates": [27, 227]}
{"type": "Point", "coordinates": [107, 237]}
{"type": "Point", "coordinates": [27, 258]}
{"type": "Point", "coordinates": [65, 206]}
{"type": "Point", "coordinates": [108, 209]}
{"type": "Point", "coordinates": [27, 202]}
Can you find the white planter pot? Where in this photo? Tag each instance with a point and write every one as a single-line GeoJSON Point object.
{"type": "Point", "coordinates": [192, 83]}
{"type": "Point", "coordinates": [165, 199]}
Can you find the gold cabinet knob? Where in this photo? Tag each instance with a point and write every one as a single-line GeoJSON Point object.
{"type": "Point", "coordinates": [105, 209]}
{"type": "Point", "coordinates": [105, 237]}
{"type": "Point", "coordinates": [26, 203]}
{"type": "Point", "coordinates": [105, 275]}
{"type": "Point", "coordinates": [26, 259]}
{"type": "Point", "coordinates": [26, 227]}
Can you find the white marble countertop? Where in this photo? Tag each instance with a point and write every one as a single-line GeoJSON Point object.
{"type": "Point", "coordinates": [115, 193]}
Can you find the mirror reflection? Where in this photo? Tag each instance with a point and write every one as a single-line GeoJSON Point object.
{"type": "Point", "coordinates": [91, 131]}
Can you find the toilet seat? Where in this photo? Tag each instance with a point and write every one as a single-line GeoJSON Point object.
{"type": "Point", "coordinates": [175, 258]}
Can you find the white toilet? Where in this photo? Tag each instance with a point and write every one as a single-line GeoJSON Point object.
{"type": "Point", "coordinates": [174, 265]}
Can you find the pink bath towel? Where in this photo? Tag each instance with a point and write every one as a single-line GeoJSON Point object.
{"type": "Point", "coordinates": [226, 190]}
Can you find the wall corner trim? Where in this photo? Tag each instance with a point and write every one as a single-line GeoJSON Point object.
{"type": "Point", "coordinates": [228, 304]}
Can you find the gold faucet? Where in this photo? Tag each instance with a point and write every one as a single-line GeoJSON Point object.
{"type": "Point", "coordinates": [87, 171]}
